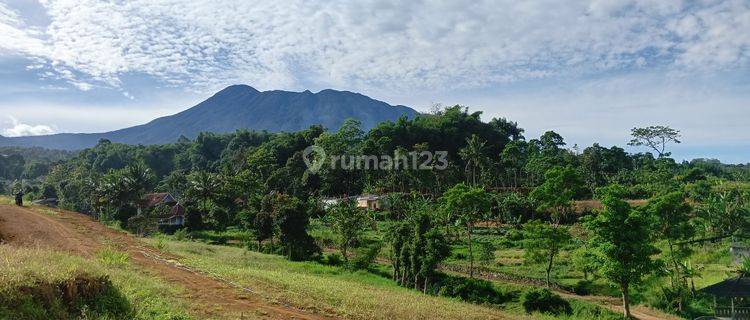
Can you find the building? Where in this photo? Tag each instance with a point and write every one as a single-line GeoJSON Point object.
{"type": "Point", "coordinates": [171, 218]}
{"type": "Point", "coordinates": [369, 202]}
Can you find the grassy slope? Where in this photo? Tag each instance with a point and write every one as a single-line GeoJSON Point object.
{"type": "Point", "coordinates": [135, 295]}
{"type": "Point", "coordinates": [358, 295]}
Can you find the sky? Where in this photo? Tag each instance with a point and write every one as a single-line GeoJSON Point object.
{"type": "Point", "coordinates": [589, 70]}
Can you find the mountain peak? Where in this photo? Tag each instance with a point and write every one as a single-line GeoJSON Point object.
{"type": "Point", "coordinates": [239, 107]}
{"type": "Point", "coordinates": [237, 89]}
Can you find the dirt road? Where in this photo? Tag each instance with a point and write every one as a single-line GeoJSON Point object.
{"type": "Point", "coordinates": [208, 297]}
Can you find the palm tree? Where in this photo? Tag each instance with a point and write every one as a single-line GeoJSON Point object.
{"type": "Point", "coordinates": [204, 186]}
{"type": "Point", "coordinates": [473, 155]}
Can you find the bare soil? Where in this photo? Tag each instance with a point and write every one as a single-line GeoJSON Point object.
{"type": "Point", "coordinates": [207, 296]}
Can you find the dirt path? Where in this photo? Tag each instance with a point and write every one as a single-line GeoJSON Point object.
{"type": "Point", "coordinates": [208, 297]}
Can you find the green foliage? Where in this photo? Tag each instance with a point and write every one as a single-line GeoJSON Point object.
{"type": "Point", "coordinates": [471, 290]}
{"type": "Point", "coordinates": [544, 301]}
{"type": "Point", "coordinates": [181, 234]}
{"type": "Point", "coordinates": [655, 137]}
{"type": "Point", "coordinates": [365, 257]}
{"type": "Point", "coordinates": [290, 217]}
{"type": "Point", "coordinates": [486, 253]}
{"type": "Point", "coordinates": [622, 241]}
{"type": "Point", "coordinates": [348, 223]}
{"type": "Point", "coordinates": [466, 205]}
{"type": "Point", "coordinates": [543, 242]}
{"type": "Point", "coordinates": [560, 186]}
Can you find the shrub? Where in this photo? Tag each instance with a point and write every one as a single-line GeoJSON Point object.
{"type": "Point", "coordinates": [333, 259]}
{"type": "Point", "coordinates": [471, 290]}
{"type": "Point", "coordinates": [544, 301]}
{"type": "Point", "coordinates": [583, 287]}
{"type": "Point", "coordinates": [181, 234]}
{"type": "Point", "coordinates": [486, 253]}
{"type": "Point", "coordinates": [365, 257]}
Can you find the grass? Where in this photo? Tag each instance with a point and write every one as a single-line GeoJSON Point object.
{"type": "Point", "coordinates": [336, 291]}
{"type": "Point", "coordinates": [7, 200]}
{"type": "Point", "coordinates": [29, 275]}
{"type": "Point", "coordinates": [326, 289]}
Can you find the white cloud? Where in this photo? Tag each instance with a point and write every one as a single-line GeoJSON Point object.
{"type": "Point", "coordinates": [19, 129]}
{"type": "Point", "coordinates": [384, 44]}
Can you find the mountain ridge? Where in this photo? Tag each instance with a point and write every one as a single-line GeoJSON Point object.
{"type": "Point", "coordinates": [237, 107]}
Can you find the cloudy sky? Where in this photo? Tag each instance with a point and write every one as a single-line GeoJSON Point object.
{"type": "Point", "coordinates": [590, 70]}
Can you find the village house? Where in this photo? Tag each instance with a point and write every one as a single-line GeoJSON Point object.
{"type": "Point", "coordinates": [370, 202]}
{"type": "Point", "coordinates": [172, 218]}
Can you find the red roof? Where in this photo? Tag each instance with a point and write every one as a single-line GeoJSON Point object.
{"type": "Point", "coordinates": [151, 199]}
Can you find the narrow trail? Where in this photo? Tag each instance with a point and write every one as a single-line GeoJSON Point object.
{"type": "Point", "coordinates": [207, 296]}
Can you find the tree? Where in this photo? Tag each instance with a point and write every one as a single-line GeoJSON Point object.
{"type": "Point", "coordinates": [468, 205]}
{"type": "Point", "coordinates": [543, 242]}
{"type": "Point", "coordinates": [290, 216]}
{"type": "Point", "coordinates": [347, 222]}
{"type": "Point", "coordinates": [725, 213]}
{"type": "Point", "coordinates": [557, 192]}
{"type": "Point", "coordinates": [473, 156]}
{"type": "Point", "coordinates": [621, 239]}
{"type": "Point", "coordinates": [263, 225]}
{"type": "Point", "coordinates": [672, 216]}
{"type": "Point", "coordinates": [512, 208]}
{"type": "Point", "coordinates": [655, 137]}
{"type": "Point", "coordinates": [486, 252]}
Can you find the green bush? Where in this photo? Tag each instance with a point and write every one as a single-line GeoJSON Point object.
{"type": "Point", "coordinates": [333, 259]}
{"type": "Point", "coordinates": [544, 301]}
{"type": "Point", "coordinates": [365, 258]}
{"type": "Point", "coordinates": [471, 290]}
{"type": "Point", "coordinates": [181, 234]}
{"type": "Point", "coordinates": [583, 287]}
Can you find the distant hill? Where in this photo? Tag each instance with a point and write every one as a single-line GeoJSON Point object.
{"type": "Point", "coordinates": [236, 107]}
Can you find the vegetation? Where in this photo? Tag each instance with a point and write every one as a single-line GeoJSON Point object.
{"type": "Point", "coordinates": [601, 222]}
{"type": "Point", "coordinates": [81, 288]}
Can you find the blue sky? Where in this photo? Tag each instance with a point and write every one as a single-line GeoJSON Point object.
{"type": "Point", "coordinates": [590, 70]}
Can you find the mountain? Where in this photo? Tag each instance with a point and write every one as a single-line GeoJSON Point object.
{"type": "Point", "coordinates": [237, 107]}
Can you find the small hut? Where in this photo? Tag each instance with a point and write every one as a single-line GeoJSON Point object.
{"type": "Point", "coordinates": [737, 292]}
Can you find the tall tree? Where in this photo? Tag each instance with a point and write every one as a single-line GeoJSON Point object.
{"type": "Point", "coordinates": [468, 205]}
{"type": "Point", "coordinates": [655, 137]}
{"type": "Point", "coordinates": [622, 241]}
{"type": "Point", "coordinates": [473, 156]}
{"type": "Point", "coordinates": [672, 216]}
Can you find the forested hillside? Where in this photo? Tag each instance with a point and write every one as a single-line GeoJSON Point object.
{"type": "Point", "coordinates": [500, 193]}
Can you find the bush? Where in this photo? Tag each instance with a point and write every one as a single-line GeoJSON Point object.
{"type": "Point", "coordinates": [365, 258]}
{"type": "Point", "coordinates": [333, 259]}
{"type": "Point", "coordinates": [544, 301]}
{"type": "Point", "coordinates": [583, 287]}
{"type": "Point", "coordinates": [181, 234]}
{"type": "Point", "coordinates": [471, 290]}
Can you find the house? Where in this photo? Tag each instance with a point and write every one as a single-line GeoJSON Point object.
{"type": "Point", "coordinates": [173, 218]}
{"type": "Point", "coordinates": [151, 200]}
{"type": "Point", "coordinates": [730, 298]}
{"type": "Point", "coordinates": [369, 202]}
{"type": "Point", "coordinates": [176, 217]}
